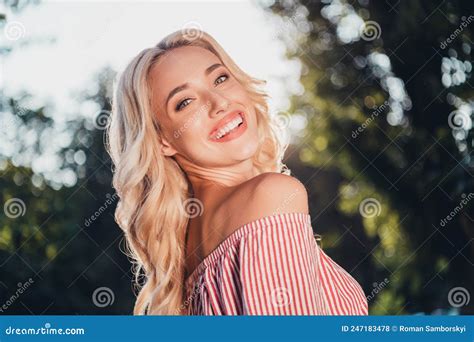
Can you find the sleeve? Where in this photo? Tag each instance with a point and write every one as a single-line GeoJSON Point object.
{"type": "Point", "coordinates": [279, 268]}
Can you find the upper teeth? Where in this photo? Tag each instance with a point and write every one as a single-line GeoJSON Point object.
{"type": "Point", "coordinates": [228, 127]}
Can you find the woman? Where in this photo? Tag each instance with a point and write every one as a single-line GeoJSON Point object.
{"type": "Point", "coordinates": [209, 212]}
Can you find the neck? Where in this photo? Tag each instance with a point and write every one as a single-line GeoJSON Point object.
{"type": "Point", "coordinates": [203, 179]}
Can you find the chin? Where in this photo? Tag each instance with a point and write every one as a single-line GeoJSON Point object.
{"type": "Point", "coordinates": [245, 149]}
{"type": "Point", "coordinates": [248, 149]}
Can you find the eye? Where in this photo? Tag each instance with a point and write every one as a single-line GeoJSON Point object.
{"type": "Point", "coordinates": [182, 104]}
{"type": "Point", "coordinates": [221, 78]}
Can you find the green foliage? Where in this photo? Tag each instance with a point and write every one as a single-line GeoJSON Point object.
{"type": "Point", "coordinates": [51, 242]}
{"type": "Point", "coordinates": [377, 113]}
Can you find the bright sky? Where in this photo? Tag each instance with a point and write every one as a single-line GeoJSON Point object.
{"type": "Point", "coordinates": [91, 35]}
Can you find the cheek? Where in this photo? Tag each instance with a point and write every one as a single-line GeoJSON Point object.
{"type": "Point", "coordinates": [189, 131]}
{"type": "Point", "coordinates": [242, 95]}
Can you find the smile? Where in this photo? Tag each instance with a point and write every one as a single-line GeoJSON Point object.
{"type": "Point", "coordinates": [232, 127]}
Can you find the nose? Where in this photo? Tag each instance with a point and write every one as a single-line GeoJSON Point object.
{"type": "Point", "coordinates": [218, 103]}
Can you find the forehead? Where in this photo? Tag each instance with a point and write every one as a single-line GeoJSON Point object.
{"type": "Point", "coordinates": [179, 66]}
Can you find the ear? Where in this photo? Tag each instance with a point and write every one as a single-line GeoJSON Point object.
{"type": "Point", "coordinates": [166, 148]}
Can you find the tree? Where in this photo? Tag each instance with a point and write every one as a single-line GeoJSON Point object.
{"type": "Point", "coordinates": [388, 103]}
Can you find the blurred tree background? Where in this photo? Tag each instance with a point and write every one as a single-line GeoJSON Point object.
{"type": "Point", "coordinates": [51, 252]}
{"type": "Point", "coordinates": [385, 153]}
{"type": "Point", "coordinates": [388, 110]}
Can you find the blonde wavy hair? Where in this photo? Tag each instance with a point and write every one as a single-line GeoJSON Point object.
{"type": "Point", "coordinates": [152, 187]}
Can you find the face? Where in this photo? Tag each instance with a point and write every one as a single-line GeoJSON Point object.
{"type": "Point", "coordinates": [206, 115]}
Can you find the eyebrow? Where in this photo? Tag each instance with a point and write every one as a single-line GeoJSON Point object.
{"type": "Point", "coordinates": [186, 85]}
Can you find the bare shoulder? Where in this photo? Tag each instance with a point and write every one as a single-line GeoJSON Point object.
{"type": "Point", "coordinates": [264, 195]}
{"type": "Point", "coordinates": [267, 194]}
{"type": "Point", "coordinates": [279, 193]}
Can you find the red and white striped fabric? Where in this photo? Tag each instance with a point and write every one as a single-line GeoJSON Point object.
{"type": "Point", "coordinates": [272, 266]}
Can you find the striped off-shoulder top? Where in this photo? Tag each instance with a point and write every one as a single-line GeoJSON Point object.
{"type": "Point", "coordinates": [272, 266]}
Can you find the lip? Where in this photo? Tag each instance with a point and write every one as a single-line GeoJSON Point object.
{"type": "Point", "coordinates": [228, 118]}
